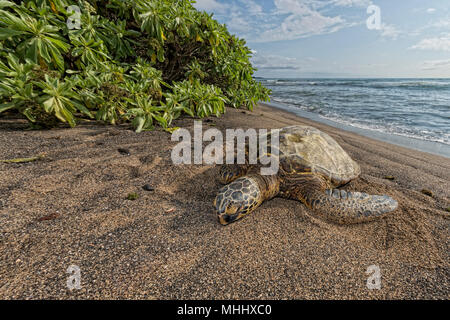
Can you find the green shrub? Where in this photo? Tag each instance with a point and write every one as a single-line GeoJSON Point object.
{"type": "Point", "coordinates": [144, 61]}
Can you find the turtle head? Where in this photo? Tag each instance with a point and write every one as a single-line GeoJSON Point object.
{"type": "Point", "coordinates": [236, 200]}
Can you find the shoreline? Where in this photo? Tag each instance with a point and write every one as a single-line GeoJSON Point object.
{"type": "Point", "coordinates": [71, 208]}
{"type": "Point", "coordinates": [432, 147]}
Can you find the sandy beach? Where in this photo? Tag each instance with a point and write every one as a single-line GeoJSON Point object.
{"type": "Point", "coordinates": [71, 208]}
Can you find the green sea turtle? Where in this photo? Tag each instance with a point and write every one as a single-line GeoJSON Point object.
{"type": "Point", "coordinates": [311, 166]}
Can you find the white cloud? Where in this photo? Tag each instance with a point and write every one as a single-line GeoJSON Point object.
{"type": "Point", "coordinates": [238, 17]}
{"type": "Point", "coordinates": [389, 31]}
{"type": "Point", "coordinates": [292, 7]}
{"type": "Point", "coordinates": [436, 64]}
{"type": "Point", "coordinates": [275, 62]}
{"type": "Point", "coordinates": [252, 7]}
{"type": "Point", "coordinates": [290, 20]}
{"type": "Point", "coordinates": [431, 10]}
{"type": "Point", "coordinates": [436, 25]}
{"type": "Point", "coordinates": [238, 24]}
{"type": "Point", "coordinates": [352, 3]}
{"type": "Point", "coordinates": [210, 5]}
{"type": "Point", "coordinates": [437, 44]}
{"type": "Point", "coordinates": [302, 20]}
{"type": "Point", "coordinates": [441, 24]}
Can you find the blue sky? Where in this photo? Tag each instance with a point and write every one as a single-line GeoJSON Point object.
{"type": "Point", "coordinates": [330, 38]}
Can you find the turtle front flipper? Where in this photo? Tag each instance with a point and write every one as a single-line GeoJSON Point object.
{"type": "Point", "coordinates": [341, 206]}
{"type": "Point", "coordinates": [244, 195]}
{"type": "Point", "coordinates": [230, 172]}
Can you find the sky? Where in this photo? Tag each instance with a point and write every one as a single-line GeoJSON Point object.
{"type": "Point", "coordinates": [341, 38]}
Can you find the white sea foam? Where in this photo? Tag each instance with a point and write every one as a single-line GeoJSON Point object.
{"type": "Point", "coordinates": [416, 108]}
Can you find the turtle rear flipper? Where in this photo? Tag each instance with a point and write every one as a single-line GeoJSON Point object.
{"type": "Point", "coordinates": [341, 206]}
{"type": "Point", "coordinates": [351, 207]}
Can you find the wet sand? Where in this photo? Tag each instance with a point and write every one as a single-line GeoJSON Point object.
{"type": "Point", "coordinates": [71, 208]}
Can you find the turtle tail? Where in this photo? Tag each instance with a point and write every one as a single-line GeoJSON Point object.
{"type": "Point", "coordinates": [350, 207]}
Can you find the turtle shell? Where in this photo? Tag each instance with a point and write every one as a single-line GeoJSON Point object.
{"type": "Point", "coordinates": [307, 149]}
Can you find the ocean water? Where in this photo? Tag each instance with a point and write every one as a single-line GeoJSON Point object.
{"type": "Point", "coordinates": [418, 109]}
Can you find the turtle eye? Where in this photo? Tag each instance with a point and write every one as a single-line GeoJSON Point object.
{"type": "Point", "coordinates": [233, 209]}
{"type": "Point", "coordinates": [239, 209]}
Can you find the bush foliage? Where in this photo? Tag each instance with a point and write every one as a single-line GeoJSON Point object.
{"type": "Point", "coordinates": [143, 61]}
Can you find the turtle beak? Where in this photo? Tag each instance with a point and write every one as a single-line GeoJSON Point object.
{"type": "Point", "coordinates": [227, 218]}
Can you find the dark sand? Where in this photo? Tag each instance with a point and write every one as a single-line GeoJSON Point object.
{"type": "Point", "coordinates": [71, 208]}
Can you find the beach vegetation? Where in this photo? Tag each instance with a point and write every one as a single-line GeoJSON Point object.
{"type": "Point", "coordinates": [146, 62]}
{"type": "Point", "coordinates": [132, 196]}
{"type": "Point", "coordinates": [24, 160]}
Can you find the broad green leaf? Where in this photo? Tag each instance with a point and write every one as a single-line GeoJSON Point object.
{"type": "Point", "coordinates": [139, 122]}
{"type": "Point", "coordinates": [171, 130]}
{"type": "Point", "coordinates": [49, 105]}
{"type": "Point", "coordinates": [6, 106]}
{"type": "Point", "coordinates": [4, 4]}
{"type": "Point", "coordinates": [32, 51]}
{"type": "Point", "coordinates": [43, 51]}
{"type": "Point", "coordinates": [57, 56]}
{"type": "Point", "coordinates": [64, 114]}
{"type": "Point", "coordinates": [6, 33]}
